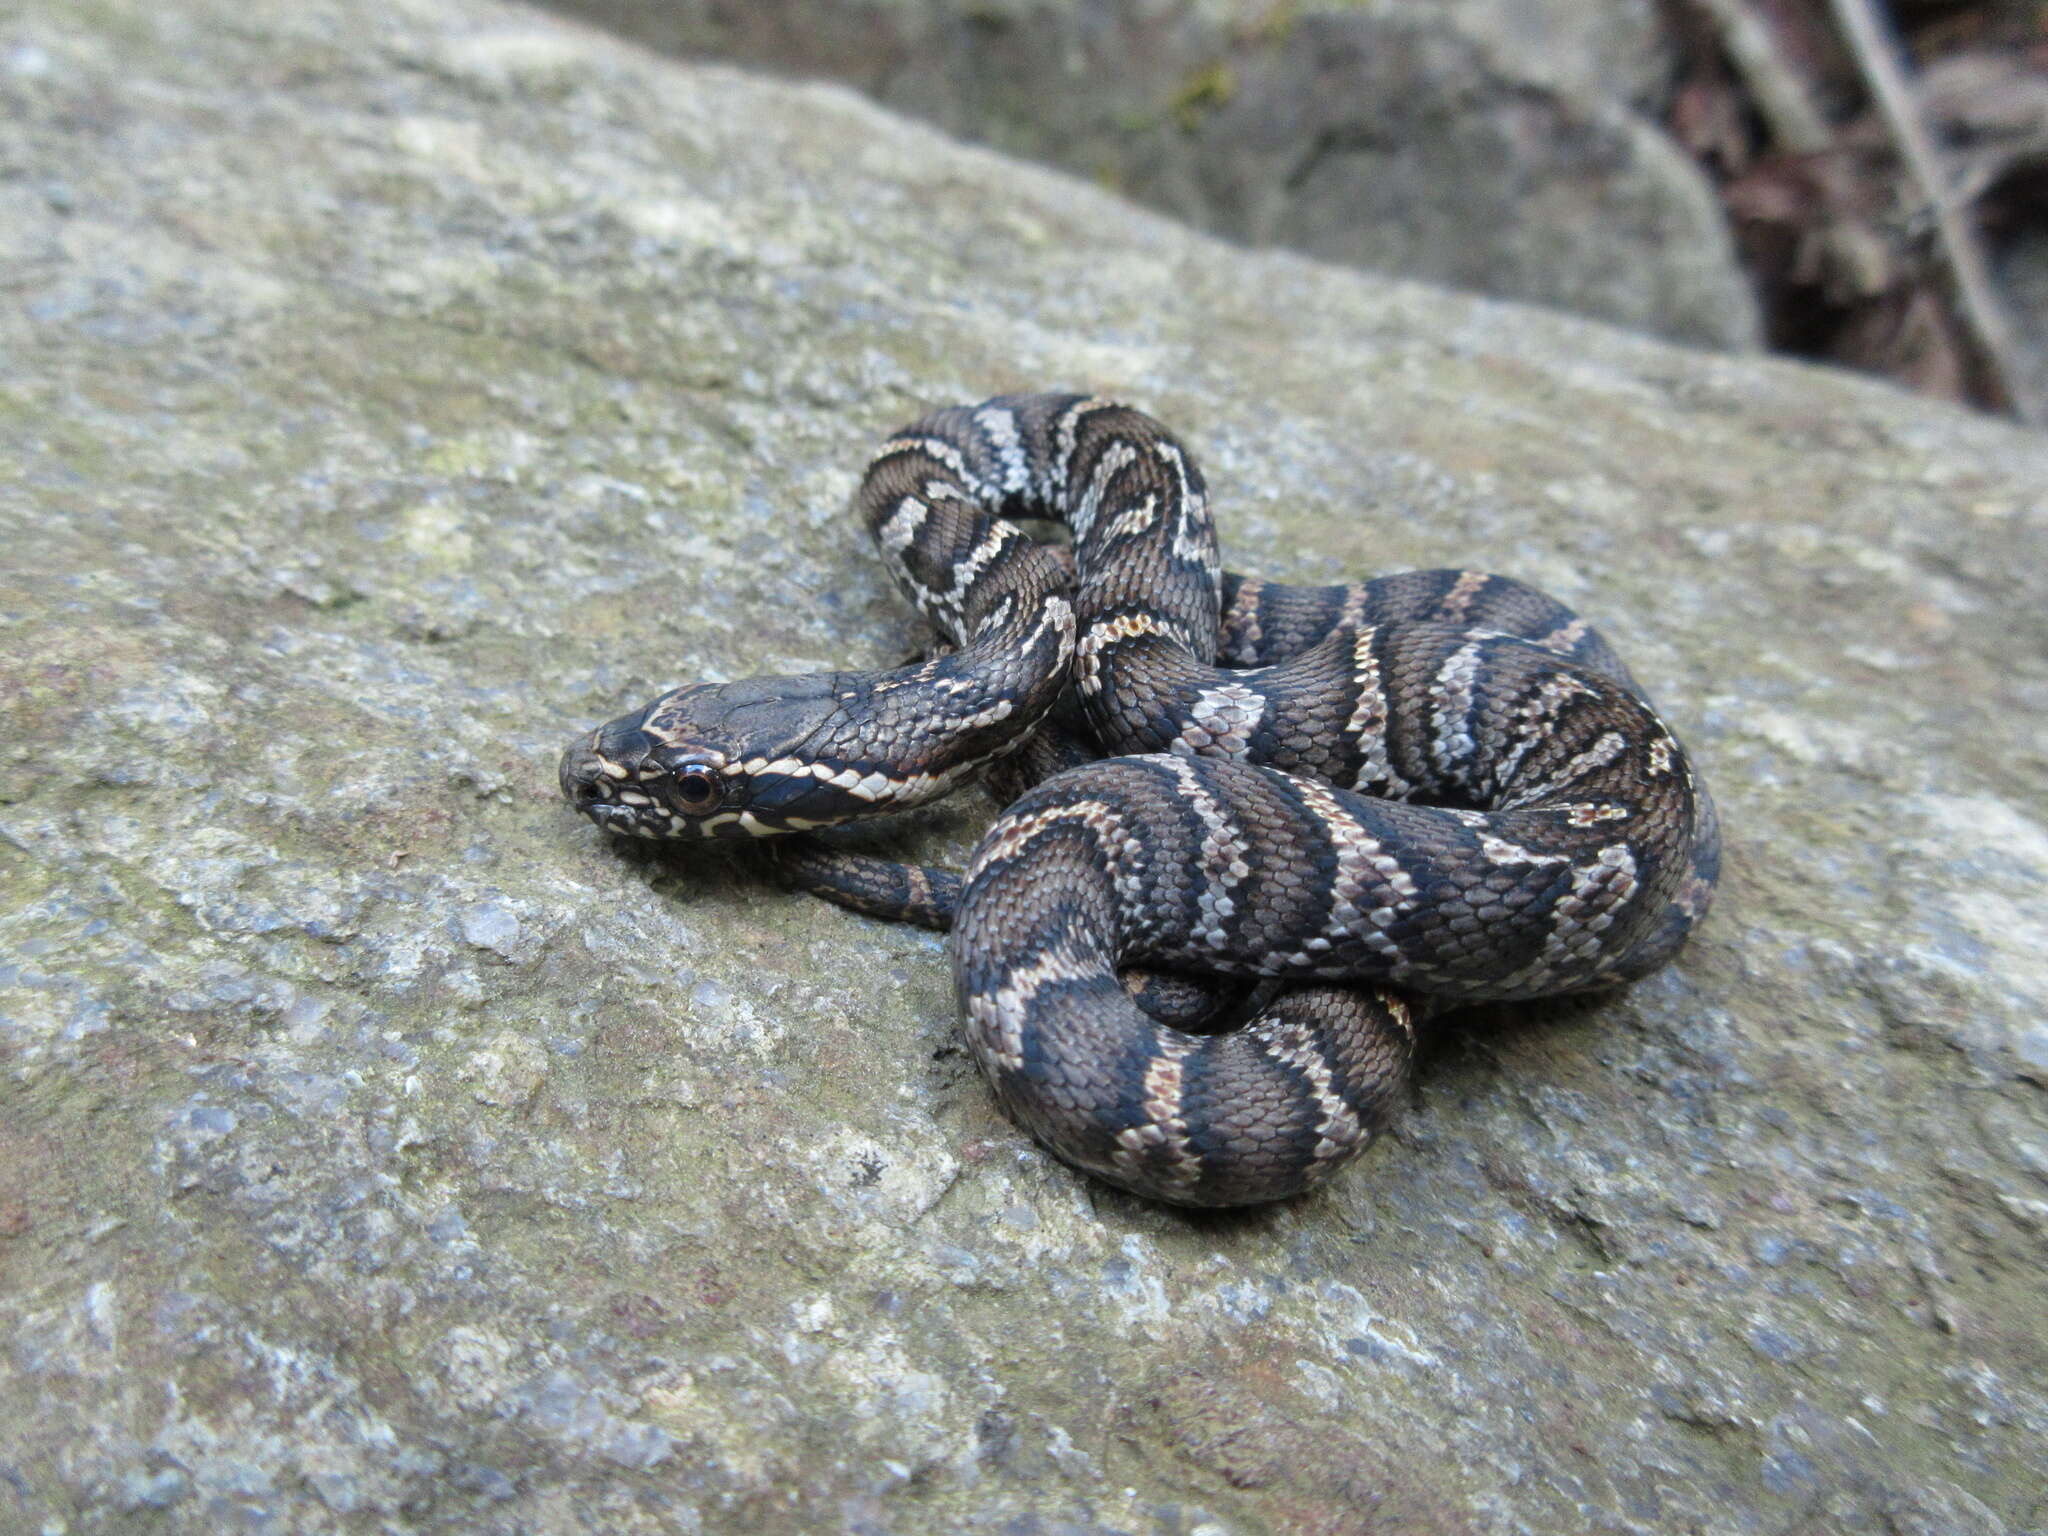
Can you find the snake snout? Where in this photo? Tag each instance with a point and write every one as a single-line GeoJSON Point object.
{"type": "Point", "coordinates": [582, 772]}
{"type": "Point", "coordinates": [596, 766]}
{"type": "Point", "coordinates": [578, 762]}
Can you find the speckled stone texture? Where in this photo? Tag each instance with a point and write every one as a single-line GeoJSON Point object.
{"type": "Point", "coordinates": [391, 391]}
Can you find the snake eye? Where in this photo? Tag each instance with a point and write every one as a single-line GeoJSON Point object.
{"type": "Point", "coordinates": [699, 788]}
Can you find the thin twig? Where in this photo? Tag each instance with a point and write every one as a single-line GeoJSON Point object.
{"type": "Point", "coordinates": [1781, 97]}
{"type": "Point", "coordinates": [1877, 55]}
{"type": "Point", "coordinates": [1853, 260]}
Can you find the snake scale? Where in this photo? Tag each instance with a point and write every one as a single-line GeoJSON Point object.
{"type": "Point", "coordinates": [1433, 787]}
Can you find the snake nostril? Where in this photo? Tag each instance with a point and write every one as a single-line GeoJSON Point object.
{"type": "Point", "coordinates": [581, 772]}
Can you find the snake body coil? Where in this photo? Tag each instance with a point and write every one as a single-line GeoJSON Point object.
{"type": "Point", "coordinates": [1440, 784]}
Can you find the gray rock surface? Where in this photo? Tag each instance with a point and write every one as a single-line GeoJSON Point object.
{"type": "Point", "coordinates": [1487, 144]}
{"type": "Point", "coordinates": [1612, 50]}
{"type": "Point", "coordinates": [392, 391]}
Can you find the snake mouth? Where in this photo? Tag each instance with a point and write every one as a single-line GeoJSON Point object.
{"type": "Point", "coordinates": [620, 808]}
{"type": "Point", "coordinates": [612, 777]}
{"type": "Point", "coordinates": [633, 782]}
{"type": "Point", "coordinates": [639, 796]}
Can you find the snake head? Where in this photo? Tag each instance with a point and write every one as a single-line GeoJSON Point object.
{"type": "Point", "coordinates": [714, 760]}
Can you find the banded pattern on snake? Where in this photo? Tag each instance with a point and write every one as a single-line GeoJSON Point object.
{"type": "Point", "coordinates": [1440, 785]}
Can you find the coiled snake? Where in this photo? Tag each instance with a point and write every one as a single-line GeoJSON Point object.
{"type": "Point", "coordinates": [1441, 785]}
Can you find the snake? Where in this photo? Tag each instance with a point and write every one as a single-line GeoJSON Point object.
{"type": "Point", "coordinates": [1371, 802]}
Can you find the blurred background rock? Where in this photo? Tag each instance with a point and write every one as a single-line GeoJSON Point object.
{"type": "Point", "coordinates": [1718, 172]}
